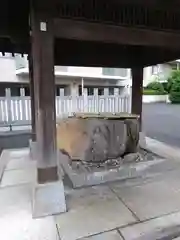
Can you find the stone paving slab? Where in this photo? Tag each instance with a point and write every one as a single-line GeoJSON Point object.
{"type": "Point", "coordinates": [4, 158]}
{"type": "Point", "coordinates": [91, 211]}
{"type": "Point", "coordinates": [94, 212]}
{"type": "Point", "coordinates": [113, 235]}
{"type": "Point", "coordinates": [152, 199]}
{"type": "Point", "coordinates": [13, 199]}
{"type": "Point", "coordinates": [20, 226]}
{"type": "Point", "coordinates": [20, 163]}
{"type": "Point", "coordinates": [150, 230]}
{"type": "Point", "coordinates": [18, 153]}
{"type": "Point", "coordinates": [16, 177]}
{"type": "Point", "coordinates": [16, 221]}
{"type": "Point", "coordinates": [16, 167]}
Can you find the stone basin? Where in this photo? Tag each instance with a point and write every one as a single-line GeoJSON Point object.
{"type": "Point", "coordinates": [98, 137]}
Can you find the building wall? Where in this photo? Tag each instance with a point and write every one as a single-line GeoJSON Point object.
{"type": "Point", "coordinates": [68, 85]}
{"type": "Point", "coordinates": [147, 76]}
{"type": "Point", "coordinates": [159, 72]}
{"type": "Point", "coordinates": [165, 70]}
{"type": "Point", "coordinates": [7, 69]}
{"type": "Point", "coordinates": [91, 71]}
{"type": "Point", "coordinates": [9, 64]}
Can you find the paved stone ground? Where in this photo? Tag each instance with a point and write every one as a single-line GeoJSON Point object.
{"type": "Point", "coordinates": [162, 122]}
{"type": "Point", "coordinates": [141, 208]}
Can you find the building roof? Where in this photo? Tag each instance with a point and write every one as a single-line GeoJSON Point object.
{"type": "Point", "coordinates": [118, 33]}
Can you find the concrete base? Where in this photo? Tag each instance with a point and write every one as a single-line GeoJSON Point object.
{"type": "Point", "coordinates": [142, 140]}
{"type": "Point", "coordinates": [81, 175]}
{"type": "Point", "coordinates": [48, 199]}
{"type": "Point", "coordinates": [33, 149]}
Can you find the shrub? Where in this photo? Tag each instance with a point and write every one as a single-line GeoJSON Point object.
{"type": "Point", "coordinates": [165, 86]}
{"type": "Point", "coordinates": [174, 95]}
{"type": "Point", "coordinates": [156, 86]}
{"type": "Point", "coordinates": [175, 76]}
{"type": "Point", "coordinates": [152, 92]}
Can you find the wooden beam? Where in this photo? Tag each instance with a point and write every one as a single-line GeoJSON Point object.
{"type": "Point", "coordinates": [97, 54]}
{"type": "Point", "coordinates": [78, 30]}
{"type": "Point", "coordinates": [162, 4]}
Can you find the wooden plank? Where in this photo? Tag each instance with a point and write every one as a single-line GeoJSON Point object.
{"type": "Point", "coordinates": [173, 4]}
{"type": "Point", "coordinates": [104, 33]}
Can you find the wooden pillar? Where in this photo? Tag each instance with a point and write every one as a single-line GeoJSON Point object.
{"type": "Point", "coordinates": [33, 109]}
{"type": "Point", "coordinates": [44, 85]}
{"type": "Point", "coordinates": [137, 85]}
{"type": "Point", "coordinates": [49, 186]}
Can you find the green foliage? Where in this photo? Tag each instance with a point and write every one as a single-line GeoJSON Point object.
{"type": "Point", "coordinates": [165, 86]}
{"type": "Point", "coordinates": [156, 86]}
{"type": "Point", "coordinates": [174, 95]}
{"type": "Point", "coordinates": [153, 92]}
{"type": "Point", "coordinates": [174, 77]}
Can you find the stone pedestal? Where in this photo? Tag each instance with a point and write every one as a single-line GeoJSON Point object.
{"type": "Point", "coordinates": [142, 140]}
{"type": "Point", "coordinates": [48, 199]}
{"type": "Point", "coordinates": [33, 149]}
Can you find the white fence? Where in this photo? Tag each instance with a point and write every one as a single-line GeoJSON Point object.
{"type": "Point", "coordinates": [17, 110]}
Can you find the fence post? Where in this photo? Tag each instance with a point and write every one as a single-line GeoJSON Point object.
{"type": "Point", "coordinates": [117, 98]}
{"type": "Point", "coordinates": [85, 100]}
{"type": "Point", "coordinates": [129, 103]}
{"type": "Point", "coordinates": [116, 91]}
{"type": "Point", "coordinates": [61, 101]}
{"type": "Point", "coordinates": [106, 91]}
{"type": "Point", "coordinates": [95, 101]}
{"type": "Point", "coordinates": [23, 105]}
{"type": "Point", "coordinates": [73, 99]}
{"type": "Point", "coordinates": [8, 97]}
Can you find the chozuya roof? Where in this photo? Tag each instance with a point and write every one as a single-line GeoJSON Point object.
{"type": "Point", "coordinates": [154, 15]}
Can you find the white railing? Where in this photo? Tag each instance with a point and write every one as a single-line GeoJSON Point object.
{"type": "Point", "coordinates": [17, 110]}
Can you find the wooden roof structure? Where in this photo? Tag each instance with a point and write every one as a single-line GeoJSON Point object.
{"type": "Point", "coordinates": [116, 33]}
